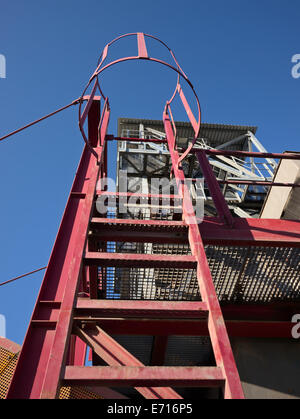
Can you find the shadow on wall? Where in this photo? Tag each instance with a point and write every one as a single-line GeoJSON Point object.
{"type": "Point", "coordinates": [268, 368]}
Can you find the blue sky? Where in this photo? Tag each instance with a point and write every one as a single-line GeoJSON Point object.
{"type": "Point", "coordinates": [237, 54]}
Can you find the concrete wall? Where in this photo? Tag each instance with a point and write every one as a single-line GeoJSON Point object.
{"type": "Point", "coordinates": [279, 198]}
{"type": "Point", "coordinates": [268, 368]}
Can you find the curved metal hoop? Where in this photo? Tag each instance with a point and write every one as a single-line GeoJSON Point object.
{"type": "Point", "coordinates": [142, 54]}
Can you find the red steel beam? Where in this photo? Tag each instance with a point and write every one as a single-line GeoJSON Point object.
{"type": "Point", "coordinates": [104, 125]}
{"type": "Point", "coordinates": [236, 153]}
{"type": "Point", "coordinates": [279, 311]}
{"type": "Point", "coordinates": [94, 113]}
{"type": "Point", "coordinates": [214, 189]}
{"type": "Point", "coordinates": [90, 103]}
{"type": "Point", "coordinates": [246, 232]}
{"type": "Point", "coordinates": [144, 376]}
{"type": "Point", "coordinates": [159, 348]}
{"type": "Point", "coordinates": [252, 232]}
{"type": "Point", "coordinates": [140, 260]}
{"type": "Point", "coordinates": [141, 308]}
{"type": "Point", "coordinates": [46, 343]}
{"type": "Point", "coordinates": [114, 354]}
{"type": "Point", "coordinates": [179, 327]}
{"type": "Point", "coordinates": [195, 124]}
{"type": "Point", "coordinates": [77, 352]}
{"type": "Point", "coordinates": [165, 318]}
{"type": "Point", "coordinates": [148, 326]}
{"type": "Point", "coordinates": [184, 309]}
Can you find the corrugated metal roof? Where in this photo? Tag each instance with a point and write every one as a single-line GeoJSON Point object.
{"type": "Point", "coordinates": [216, 134]}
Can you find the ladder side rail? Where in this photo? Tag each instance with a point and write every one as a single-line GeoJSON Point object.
{"type": "Point", "coordinates": [216, 325]}
{"type": "Point", "coordinates": [33, 362]}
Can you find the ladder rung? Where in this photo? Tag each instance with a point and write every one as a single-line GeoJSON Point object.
{"type": "Point", "coordinates": [143, 308]}
{"type": "Point", "coordinates": [142, 231]}
{"type": "Point", "coordinates": [144, 376]}
{"type": "Point", "coordinates": [147, 206]}
{"type": "Point", "coordinates": [161, 237]}
{"type": "Point", "coordinates": [140, 260]}
{"type": "Point", "coordinates": [139, 196]}
{"type": "Point", "coordinates": [144, 225]}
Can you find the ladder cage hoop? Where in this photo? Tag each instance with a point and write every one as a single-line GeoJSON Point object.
{"type": "Point", "coordinates": [142, 54]}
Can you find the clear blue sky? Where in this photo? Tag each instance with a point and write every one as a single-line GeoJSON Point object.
{"type": "Point", "coordinates": [236, 53]}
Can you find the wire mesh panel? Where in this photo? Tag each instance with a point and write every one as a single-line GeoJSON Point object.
{"type": "Point", "coordinates": [255, 274]}
{"type": "Point", "coordinates": [152, 284]}
{"type": "Point", "coordinates": [149, 283]}
{"type": "Point", "coordinates": [74, 392]}
{"type": "Point", "coordinates": [139, 345]}
{"type": "Point", "coordinates": [240, 274]}
{"type": "Point", "coordinates": [189, 351]}
{"type": "Point", "coordinates": [8, 361]}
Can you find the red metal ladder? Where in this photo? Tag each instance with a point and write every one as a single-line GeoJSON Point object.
{"type": "Point", "coordinates": [42, 367]}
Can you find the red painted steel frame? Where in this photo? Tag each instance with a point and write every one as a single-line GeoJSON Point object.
{"type": "Point", "coordinates": [144, 376]}
{"type": "Point", "coordinates": [238, 153]}
{"type": "Point", "coordinates": [182, 327]}
{"type": "Point", "coordinates": [215, 191]}
{"type": "Point", "coordinates": [216, 325]}
{"type": "Point", "coordinates": [50, 342]}
{"type": "Point", "coordinates": [115, 355]}
{"type": "Point", "coordinates": [45, 347]}
{"type": "Point", "coordinates": [246, 231]}
{"type": "Point", "coordinates": [186, 318]}
{"type": "Point", "coordinates": [167, 318]}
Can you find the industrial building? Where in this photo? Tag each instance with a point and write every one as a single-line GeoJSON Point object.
{"type": "Point", "coordinates": [183, 281]}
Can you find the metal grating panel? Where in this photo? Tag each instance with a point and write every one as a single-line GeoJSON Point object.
{"type": "Point", "coordinates": [241, 274]}
{"type": "Point", "coordinates": [180, 351]}
{"type": "Point", "coordinates": [8, 361]}
{"type": "Point", "coordinates": [153, 284]}
{"type": "Point", "coordinates": [189, 351]}
{"type": "Point", "coordinates": [255, 274]}
{"type": "Point", "coordinates": [140, 346]}
{"type": "Point", "coordinates": [77, 393]}
{"type": "Point", "coordinates": [150, 283]}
